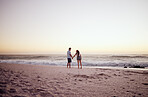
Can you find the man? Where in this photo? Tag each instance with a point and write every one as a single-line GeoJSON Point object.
{"type": "Point", "coordinates": [69, 56]}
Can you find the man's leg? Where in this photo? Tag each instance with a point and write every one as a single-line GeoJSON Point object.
{"type": "Point", "coordinates": [67, 65]}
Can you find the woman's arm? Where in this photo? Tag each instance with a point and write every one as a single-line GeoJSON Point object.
{"type": "Point", "coordinates": [74, 56]}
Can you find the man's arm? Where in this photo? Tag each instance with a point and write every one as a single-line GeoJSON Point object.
{"type": "Point", "coordinates": [70, 55]}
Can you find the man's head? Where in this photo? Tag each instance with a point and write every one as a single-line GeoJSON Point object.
{"type": "Point", "coordinates": [70, 49]}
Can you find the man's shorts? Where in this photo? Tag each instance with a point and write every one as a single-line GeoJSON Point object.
{"type": "Point", "coordinates": [69, 60]}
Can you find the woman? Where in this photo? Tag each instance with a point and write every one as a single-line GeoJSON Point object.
{"type": "Point", "coordinates": [78, 58]}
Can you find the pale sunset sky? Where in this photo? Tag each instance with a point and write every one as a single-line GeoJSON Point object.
{"type": "Point", "coordinates": [92, 26]}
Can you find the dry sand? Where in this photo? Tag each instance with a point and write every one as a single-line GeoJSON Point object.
{"type": "Point", "coordinates": [17, 80]}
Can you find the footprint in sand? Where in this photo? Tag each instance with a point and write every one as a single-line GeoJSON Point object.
{"type": "Point", "coordinates": [38, 77]}
{"type": "Point", "coordinates": [25, 89]}
{"type": "Point", "coordinates": [132, 80]}
{"type": "Point", "coordinates": [3, 84]}
{"type": "Point", "coordinates": [84, 76]}
{"type": "Point", "coordinates": [79, 80]}
{"type": "Point", "coordinates": [19, 96]}
{"type": "Point", "coordinates": [102, 75]}
{"type": "Point", "coordinates": [126, 77]}
{"type": "Point", "coordinates": [17, 75]}
{"type": "Point", "coordinates": [116, 75]}
{"type": "Point", "coordinates": [12, 90]}
{"type": "Point", "coordinates": [145, 83]}
{"type": "Point", "coordinates": [46, 94]}
{"type": "Point", "coordinates": [3, 91]}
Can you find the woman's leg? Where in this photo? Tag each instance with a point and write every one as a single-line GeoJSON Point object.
{"type": "Point", "coordinates": [78, 63]}
{"type": "Point", "coordinates": [81, 64]}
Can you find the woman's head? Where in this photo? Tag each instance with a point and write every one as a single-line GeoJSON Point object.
{"type": "Point", "coordinates": [77, 51]}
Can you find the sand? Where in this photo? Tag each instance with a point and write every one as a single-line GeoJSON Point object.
{"type": "Point", "coordinates": [18, 80]}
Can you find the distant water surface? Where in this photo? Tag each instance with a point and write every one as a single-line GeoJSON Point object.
{"type": "Point", "coordinates": [87, 59]}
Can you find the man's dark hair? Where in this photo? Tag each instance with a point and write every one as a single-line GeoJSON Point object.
{"type": "Point", "coordinates": [70, 48]}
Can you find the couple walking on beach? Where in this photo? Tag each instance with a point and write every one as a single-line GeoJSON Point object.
{"type": "Point", "coordinates": [70, 57]}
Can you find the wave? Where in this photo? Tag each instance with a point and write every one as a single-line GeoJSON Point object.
{"type": "Point", "coordinates": [87, 60]}
{"type": "Point", "coordinates": [128, 56]}
{"type": "Point", "coordinates": [63, 63]}
{"type": "Point", "coordinates": [22, 57]}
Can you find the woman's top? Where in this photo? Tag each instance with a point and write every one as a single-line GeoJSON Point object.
{"type": "Point", "coordinates": [78, 56]}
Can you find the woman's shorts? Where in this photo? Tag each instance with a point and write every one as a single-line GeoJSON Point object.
{"type": "Point", "coordinates": [69, 60]}
{"type": "Point", "coordinates": [79, 58]}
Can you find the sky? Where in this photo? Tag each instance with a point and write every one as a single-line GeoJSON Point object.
{"type": "Point", "coordinates": [91, 26]}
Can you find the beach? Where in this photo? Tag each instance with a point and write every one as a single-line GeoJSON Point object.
{"type": "Point", "coordinates": [24, 80]}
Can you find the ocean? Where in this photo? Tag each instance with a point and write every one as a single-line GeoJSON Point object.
{"type": "Point", "coordinates": [108, 60]}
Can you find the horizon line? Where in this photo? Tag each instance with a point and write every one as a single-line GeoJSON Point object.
{"type": "Point", "coordinates": [65, 53]}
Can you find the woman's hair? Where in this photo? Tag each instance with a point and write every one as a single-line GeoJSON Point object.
{"type": "Point", "coordinates": [77, 51]}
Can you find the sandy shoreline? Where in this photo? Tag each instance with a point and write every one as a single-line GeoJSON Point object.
{"type": "Point", "coordinates": [18, 80]}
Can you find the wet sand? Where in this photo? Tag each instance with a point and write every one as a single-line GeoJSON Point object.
{"type": "Point", "coordinates": [18, 80]}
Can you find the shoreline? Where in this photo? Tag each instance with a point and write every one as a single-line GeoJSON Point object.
{"type": "Point", "coordinates": [107, 67]}
{"type": "Point", "coordinates": [122, 68]}
{"type": "Point", "coordinates": [58, 81]}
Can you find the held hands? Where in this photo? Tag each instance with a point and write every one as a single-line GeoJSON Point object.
{"type": "Point", "coordinates": [73, 57]}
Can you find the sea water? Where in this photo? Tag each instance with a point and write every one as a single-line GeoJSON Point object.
{"type": "Point", "coordinates": [108, 60]}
